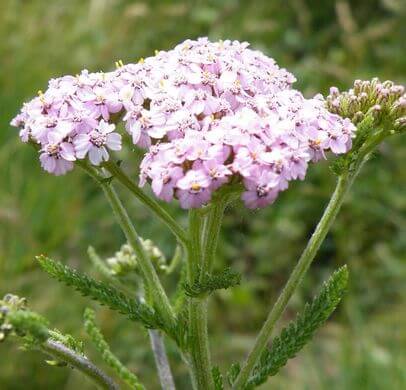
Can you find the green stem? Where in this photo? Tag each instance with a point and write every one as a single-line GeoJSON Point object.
{"type": "Point", "coordinates": [324, 225]}
{"type": "Point", "coordinates": [154, 206]}
{"type": "Point", "coordinates": [198, 335]}
{"type": "Point", "coordinates": [81, 363]}
{"type": "Point", "coordinates": [151, 278]}
{"type": "Point", "coordinates": [176, 260]}
{"type": "Point", "coordinates": [161, 360]}
{"type": "Point", "coordinates": [199, 345]}
{"type": "Point", "coordinates": [157, 343]}
{"type": "Point", "coordinates": [195, 244]}
{"type": "Point", "coordinates": [211, 236]}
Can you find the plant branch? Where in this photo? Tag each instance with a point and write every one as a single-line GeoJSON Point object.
{"type": "Point", "coordinates": [107, 355]}
{"type": "Point", "coordinates": [324, 225]}
{"type": "Point", "coordinates": [157, 344]}
{"type": "Point", "coordinates": [153, 205]}
{"type": "Point", "coordinates": [161, 360]}
{"type": "Point", "coordinates": [151, 278]}
{"type": "Point", "coordinates": [81, 363]}
{"type": "Point", "coordinates": [195, 244]}
{"type": "Point", "coordinates": [198, 335]}
{"type": "Point", "coordinates": [176, 259]}
{"type": "Point", "coordinates": [211, 236]}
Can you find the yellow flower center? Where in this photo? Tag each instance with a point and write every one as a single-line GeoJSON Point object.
{"type": "Point", "coordinates": [195, 187]}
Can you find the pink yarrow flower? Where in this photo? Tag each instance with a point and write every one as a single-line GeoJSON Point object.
{"type": "Point", "coordinates": [194, 189]}
{"type": "Point", "coordinates": [96, 143]}
{"type": "Point", "coordinates": [206, 113]}
{"type": "Point", "coordinates": [57, 155]}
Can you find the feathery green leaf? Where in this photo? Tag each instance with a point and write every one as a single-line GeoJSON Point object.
{"type": "Point", "coordinates": [103, 293]}
{"type": "Point", "coordinates": [300, 331]}
{"type": "Point", "coordinates": [98, 263]}
{"type": "Point", "coordinates": [233, 373]}
{"type": "Point", "coordinates": [108, 357]}
{"type": "Point", "coordinates": [217, 378]}
{"type": "Point", "coordinates": [222, 280]}
{"type": "Point", "coordinates": [67, 340]}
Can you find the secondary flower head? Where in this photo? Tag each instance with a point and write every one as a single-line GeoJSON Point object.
{"type": "Point", "coordinates": [207, 113]}
{"type": "Point", "coordinates": [379, 110]}
{"type": "Point", "coordinates": [9, 304]}
{"type": "Point", "coordinates": [386, 101]}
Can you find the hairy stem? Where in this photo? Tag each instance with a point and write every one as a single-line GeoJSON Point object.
{"type": "Point", "coordinates": [195, 244]}
{"type": "Point", "coordinates": [161, 360]}
{"type": "Point", "coordinates": [153, 205]}
{"type": "Point", "coordinates": [199, 344]}
{"type": "Point", "coordinates": [211, 236]}
{"type": "Point", "coordinates": [324, 225]}
{"type": "Point", "coordinates": [198, 335]}
{"type": "Point", "coordinates": [81, 363]}
{"type": "Point", "coordinates": [176, 260]}
{"type": "Point", "coordinates": [151, 278]}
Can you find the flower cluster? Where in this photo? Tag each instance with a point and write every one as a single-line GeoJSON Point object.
{"type": "Point", "coordinates": [381, 99]}
{"type": "Point", "coordinates": [125, 262]}
{"type": "Point", "coordinates": [206, 113]}
{"type": "Point", "coordinates": [71, 120]}
{"type": "Point", "coordinates": [9, 303]}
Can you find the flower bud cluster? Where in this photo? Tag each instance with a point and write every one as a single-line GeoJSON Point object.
{"type": "Point", "coordinates": [8, 303]}
{"type": "Point", "coordinates": [125, 262]}
{"type": "Point", "coordinates": [383, 100]}
{"type": "Point", "coordinates": [207, 113]}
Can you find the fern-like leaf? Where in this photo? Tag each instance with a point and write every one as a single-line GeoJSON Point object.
{"type": "Point", "coordinates": [299, 332]}
{"type": "Point", "coordinates": [103, 293]}
{"type": "Point", "coordinates": [217, 378]}
{"type": "Point", "coordinates": [233, 373]}
{"type": "Point", "coordinates": [222, 280]}
{"type": "Point", "coordinates": [98, 263]}
{"type": "Point", "coordinates": [67, 340]}
{"type": "Point", "coordinates": [108, 357]}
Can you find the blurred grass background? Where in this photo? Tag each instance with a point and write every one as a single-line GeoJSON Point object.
{"type": "Point", "coordinates": [324, 43]}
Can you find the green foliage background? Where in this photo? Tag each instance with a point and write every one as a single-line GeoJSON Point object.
{"type": "Point", "coordinates": [324, 43]}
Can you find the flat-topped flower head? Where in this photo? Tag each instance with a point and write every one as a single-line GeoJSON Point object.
{"type": "Point", "coordinates": [207, 113]}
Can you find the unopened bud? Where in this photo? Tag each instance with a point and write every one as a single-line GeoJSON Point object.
{"type": "Point", "coordinates": [155, 254]}
{"type": "Point", "coordinates": [397, 90]}
{"type": "Point", "coordinates": [366, 85]}
{"type": "Point", "coordinates": [357, 85]}
{"type": "Point", "coordinates": [398, 108]}
{"type": "Point", "coordinates": [8, 303]}
{"type": "Point", "coordinates": [358, 117]}
{"type": "Point", "coordinates": [11, 301]}
{"type": "Point", "coordinates": [334, 91]}
{"type": "Point", "coordinates": [388, 84]}
{"type": "Point", "coordinates": [4, 310]}
{"type": "Point", "coordinates": [376, 110]}
{"type": "Point", "coordinates": [363, 95]}
{"type": "Point", "coordinates": [123, 262]}
{"type": "Point", "coordinates": [383, 96]}
{"type": "Point", "coordinates": [335, 103]}
{"type": "Point", "coordinates": [400, 124]}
